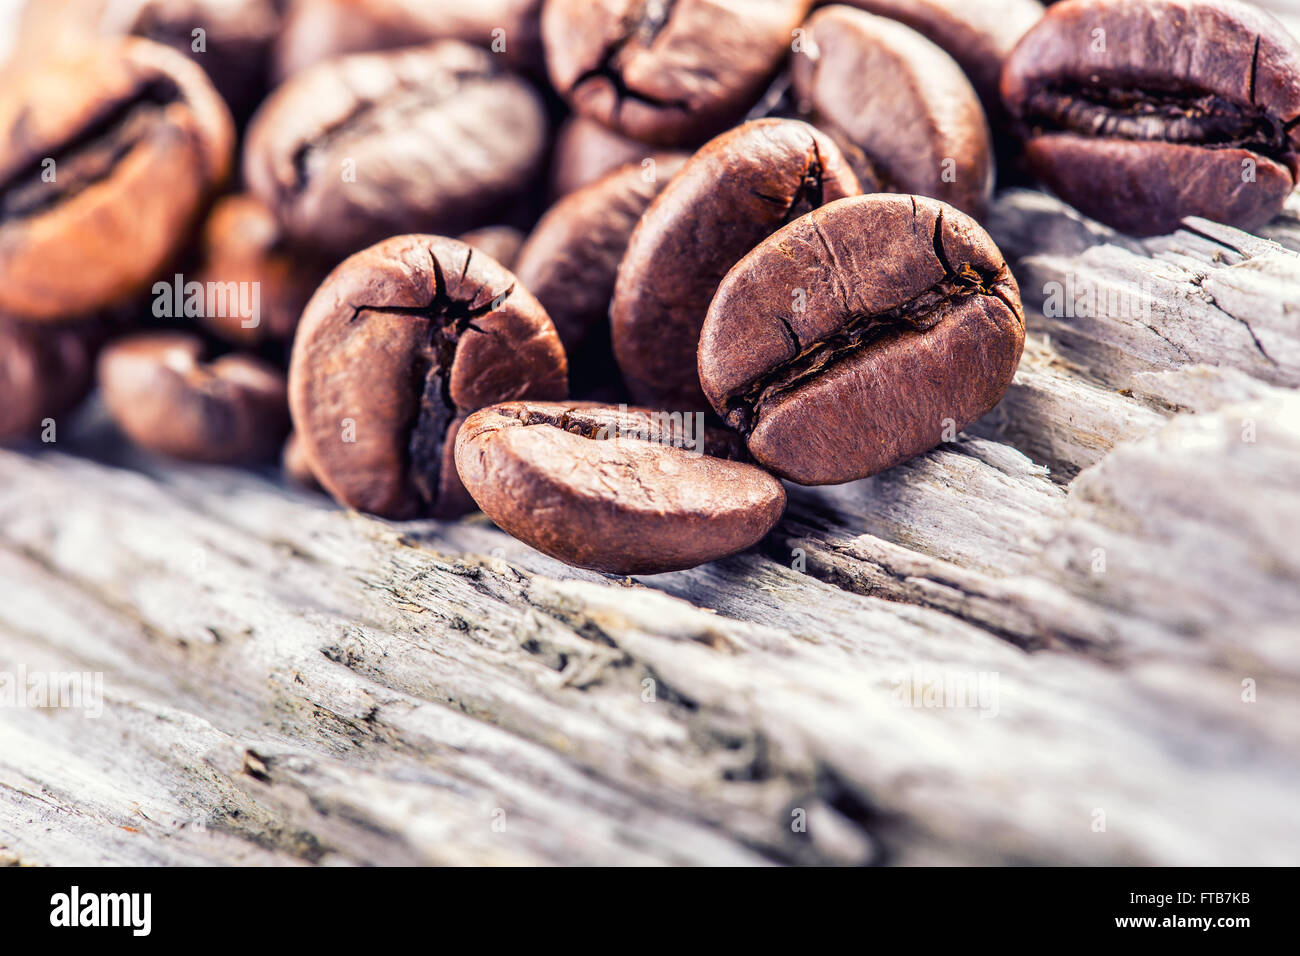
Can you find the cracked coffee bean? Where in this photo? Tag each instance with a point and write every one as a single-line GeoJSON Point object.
{"type": "Point", "coordinates": [571, 258]}
{"type": "Point", "coordinates": [1139, 114]}
{"type": "Point", "coordinates": [911, 329]}
{"type": "Point", "coordinates": [400, 343]}
{"type": "Point", "coordinates": [501, 243]}
{"type": "Point", "coordinates": [737, 190]}
{"type": "Point", "coordinates": [242, 243]}
{"type": "Point", "coordinates": [900, 109]}
{"type": "Point", "coordinates": [316, 30]}
{"type": "Point", "coordinates": [666, 72]}
{"type": "Point", "coordinates": [105, 159]}
{"type": "Point", "coordinates": [45, 372]}
{"type": "Point", "coordinates": [166, 398]}
{"type": "Point", "coordinates": [978, 34]}
{"type": "Point", "coordinates": [617, 490]}
{"type": "Point", "coordinates": [437, 138]}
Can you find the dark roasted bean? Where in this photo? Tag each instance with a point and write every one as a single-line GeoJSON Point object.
{"type": "Point", "coordinates": [105, 159]}
{"type": "Point", "coordinates": [400, 343]}
{"type": "Point", "coordinates": [626, 491]}
{"type": "Point", "coordinates": [860, 335]}
{"type": "Point", "coordinates": [1142, 113]}
{"type": "Point", "coordinates": [167, 399]}
{"type": "Point", "coordinates": [667, 72]}
{"type": "Point", "coordinates": [900, 109]}
{"type": "Point", "coordinates": [437, 138]}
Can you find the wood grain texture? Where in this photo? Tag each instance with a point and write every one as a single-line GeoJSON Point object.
{"type": "Point", "coordinates": [1109, 563]}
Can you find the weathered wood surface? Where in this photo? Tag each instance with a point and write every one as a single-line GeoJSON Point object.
{"type": "Point", "coordinates": [1114, 552]}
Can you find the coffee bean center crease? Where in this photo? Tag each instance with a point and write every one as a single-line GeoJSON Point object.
{"type": "Point", "coordinates": [639, 29]}
{"type": "Point", "coordinates": [921, 313]}
{"type": "Point", "coordinates": [377, 119]}
{"type": "Point", "coordinates": [1193, 117]}
{"type": "Point", "coordinates": [90, 155]}
{"type": "Point", "coordinates": [449, 318]}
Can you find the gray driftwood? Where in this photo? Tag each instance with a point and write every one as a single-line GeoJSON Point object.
{"type": "Point", "coordinates": [1112, 557]}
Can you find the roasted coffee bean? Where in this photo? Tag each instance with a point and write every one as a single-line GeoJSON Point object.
{"type": "Point", "coordinates": [626, 491]}
{"type": "Point", "coordinates": [978, 34]}
{"type": "Point", "coordinates": [733, 193]}
{"type": "Point", "coordinates": [293, 462]}
{"type": "Point", "coordinates": [900, 109]}
{"type": "Point", "coordinates": [234, 46]}
{"type": "Point", "coordinates": [400, 343]}
{"type": "Point", "coordinates": [910, 329]}
{"type": "Point", "coordinates": [105, 158]}
{"type": "Point", "coordinates": [585, 151]}
{"type": "Point", "coordinates": [501, 243]}
{"type": "Point", "coordinates": [436, 138]}
{"type": "Point", "coordinates": [167, 399]}
{"type": "Point", "coordinates": [666, 73]}
{"type": "Point", "coordinates": [1139, 114]}
{"type": "Point", "coordinates": [45, 372]}
{"type": "Point", "coordinates": [571, 258]}
{"type": "Point", "coordinates": [242, 244]}
{"type": "Point", "coordinates": [316, 30]}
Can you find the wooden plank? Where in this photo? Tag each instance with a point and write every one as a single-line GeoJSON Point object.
{"type": "Point", "coordinates": [1112, 558]}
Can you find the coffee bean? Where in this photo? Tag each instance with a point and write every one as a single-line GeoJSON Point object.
{"type": "Point", "coordinates": [911, 329]}
{"type": "Point", "coordinates": [501, 243]}
{"type": "Point", "coordinates": [242, 244]}
{"type": "Point", "coordinates": [585, 151]}
{"type": "Point", "coordinates": [105, 157]}
{"type": "Point", "coordinates": [400, 343]}
{"type": "Point", "coordinates": [167, 399]}
{"type": "Point", "coordinates": [230, 39]}
{"type": "Point", "coordinates": [363, 147]}
{"type": "Point", "coordinates": [1139, 114]}
{"type": "Point", "coordinates": [667, 73]}
{"type": "Point", "coordinates": [900, 109]}
{"type": "Point", "coordinates": [571, 258]}
{"type": "Point", "coordinates": [45, 372]}
{"type": "Point", "coordinates": [613, 489]}
{"type": "Point", "coordinates": [978, 34]}
{"type": "Point", "coordinates": [733, 193]}
{"type": "Point", "coordinates": [316, 30]}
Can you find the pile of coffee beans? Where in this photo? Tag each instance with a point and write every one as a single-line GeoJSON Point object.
{"type": "Point", "coordinates": [609, 271]}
